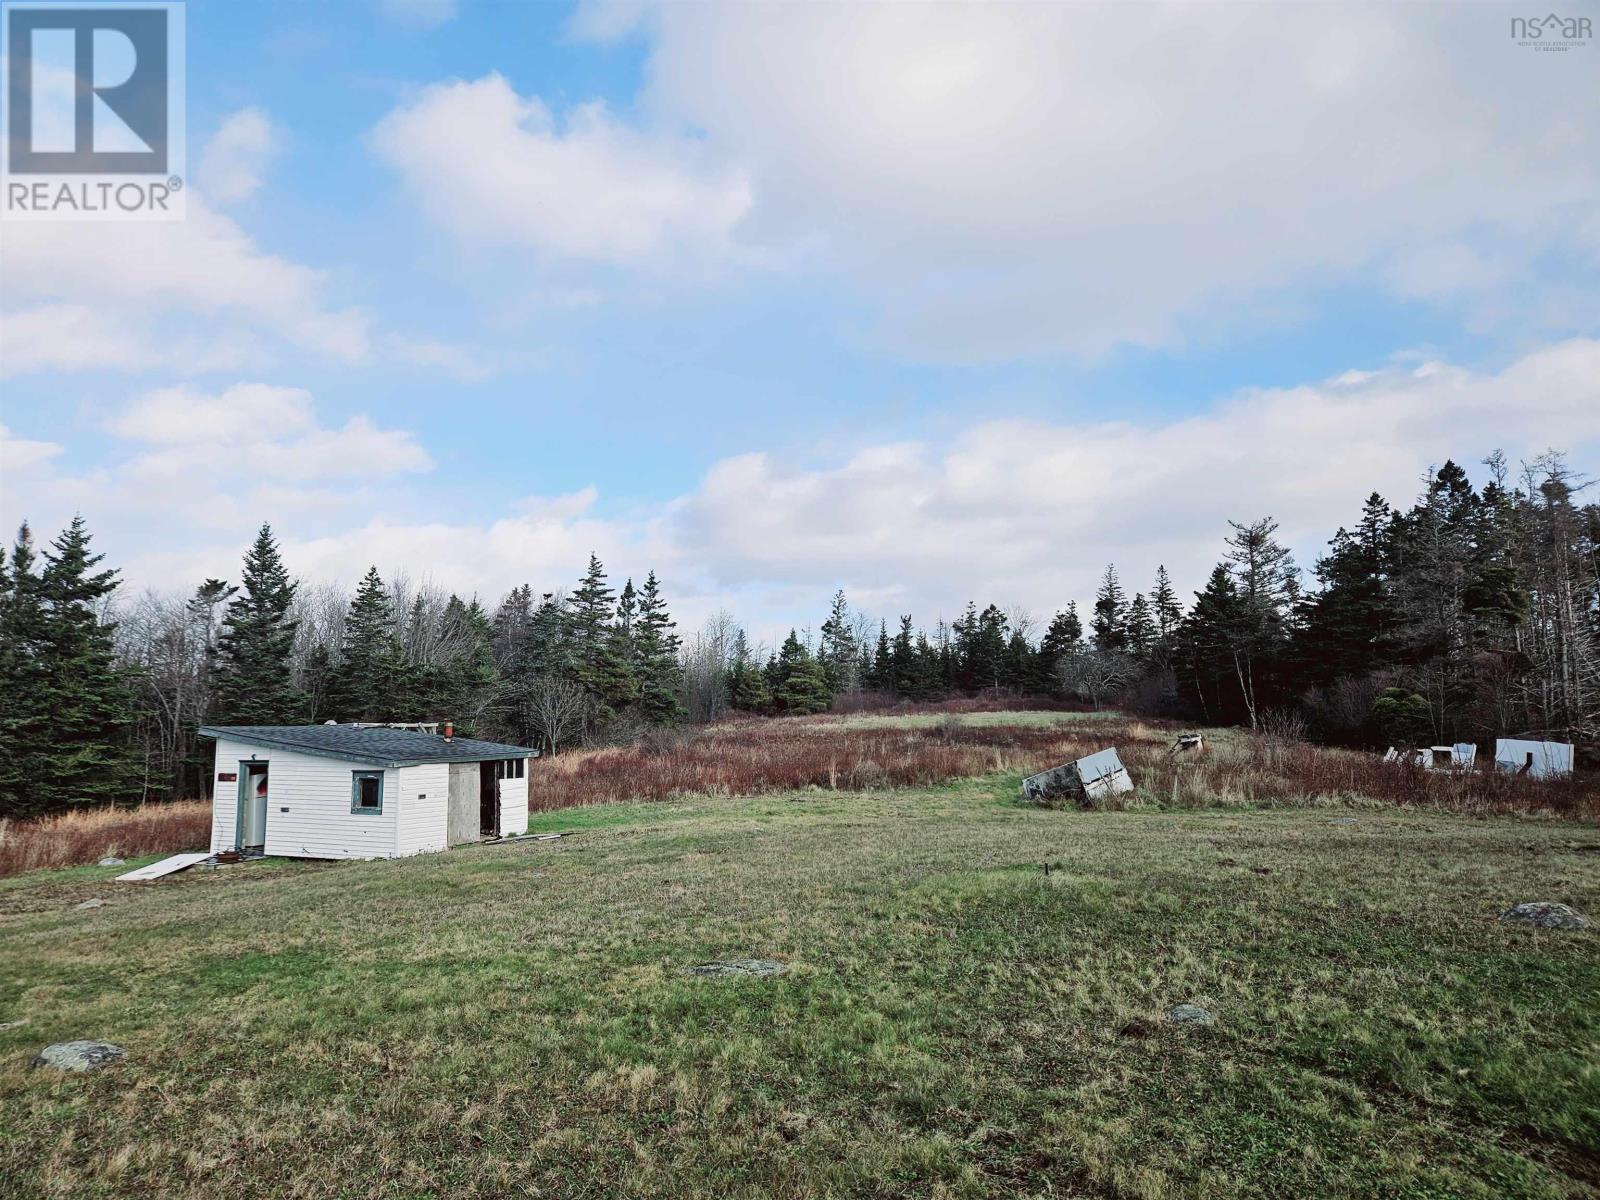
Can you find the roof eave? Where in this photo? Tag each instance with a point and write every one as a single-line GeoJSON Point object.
{"type": "Point", "coordinates": [376, 760]}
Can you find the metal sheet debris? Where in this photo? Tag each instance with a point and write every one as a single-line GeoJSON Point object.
{"type": "Point", "coordinates": [1085, 780]}
{"type": "Point", "coordinates": [1538, 760]}
{"type": "Point", "coordinates": [166, 866]}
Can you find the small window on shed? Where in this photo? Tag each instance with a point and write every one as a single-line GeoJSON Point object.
{"type": "Point", "coordinates": [518, 766]}
{"type": "Point", "coordinates": [366, 792]}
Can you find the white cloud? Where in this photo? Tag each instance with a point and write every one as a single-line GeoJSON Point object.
{"type": "Point", "coordinates": [1005, 179]}
{"type": "Point", "coordinates": [499, 169]}
{"type": "Point", "coordinates": [418, 14]}
{"type": "Point", "coordinates": [244, 412]}
{"type": "Point", "coordinates": [202, 464]}
{"type": "Point", "coordinates": [18, 455]}
{"type": "Point", "coordinates": [160, 290]}
{"type": "Point", "coordinates": [467, 364]}
{"type": "Point", "coordinates": [237, 156]}
{"type": "Point", "coordinates": [1019, 512]}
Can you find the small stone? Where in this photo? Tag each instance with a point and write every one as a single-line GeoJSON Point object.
{"type": "Point", "coordinates": [1190, 1014]}
{"type": "Point", "coordinates": [113, 862]}
{"type": "Point", "coordinates": [738, 966]}
{"type": "Point", "coordinates": [17, 1024]}
{"type": "Point", "coordinates": [1545, 915]}
{"type": "Point", "coordinates": [96, 902]}
{"type": "Point", "coordinates": [78, 1056]}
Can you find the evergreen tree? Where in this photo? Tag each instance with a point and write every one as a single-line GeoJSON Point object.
{"type": "Point", "coordinates": [1164, 608]}
{"type": "Point", "coordinates": [23, 683]}
{"type": "Point", "coordinates": [253, 683]}
{"type": "Point", "coordinates": [596, 661]}
{"type": "Point", "coordinates": [838, 652]}
{"type": "Point", "coordinates": [659, 670]}
{"type": "Point", "coordinates": [367, 683]}
{"type": "Point", "coordinates": [1062, 637]}
{"type": "Point", "coordinates": [1110, 611]}
{"type": "Point", "coordinates": [1141, 628]}
{"type": "Point", "coordinates": [70, 746]}
{"type": "Point", "coordinates": [747, 687]}
{"type": "Point", "coordinates": [801, 687]}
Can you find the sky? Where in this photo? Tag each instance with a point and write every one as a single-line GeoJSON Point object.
{"type": "Point", "coordinates": [928, 303]}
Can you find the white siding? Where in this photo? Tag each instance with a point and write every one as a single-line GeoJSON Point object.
{"type": "Point", "coordinates": [424, 803]}
{"type": "Point", "coordinates": [514, 802]}
{"type": "Point", "coordinates": [316, 791]}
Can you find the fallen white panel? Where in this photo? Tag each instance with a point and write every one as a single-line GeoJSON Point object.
{"type": "Point", "coordinates": [1539, 760]}
{"type": "Point", "coordinates": [165, 867]}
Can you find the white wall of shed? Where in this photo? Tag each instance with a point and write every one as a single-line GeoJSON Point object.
{"type": "Point", "coordinates": [316, 791]}
{"type": "Point", "coordinates": [424, 806]}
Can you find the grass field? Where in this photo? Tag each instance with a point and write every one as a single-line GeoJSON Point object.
{"type": "Point", "coordinates": [515, 1020]}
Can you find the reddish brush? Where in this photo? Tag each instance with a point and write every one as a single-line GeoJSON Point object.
{"type": "Point", "coordinates": [748, 757]}
{"type": "Point", "coordinates": [88, 835]}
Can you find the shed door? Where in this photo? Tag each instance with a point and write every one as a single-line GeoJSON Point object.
{"type": "Point", "coordinates": [462, 823]}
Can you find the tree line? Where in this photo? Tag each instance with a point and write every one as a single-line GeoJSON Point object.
{"type": "Point", "coordinates": [1470, 614]}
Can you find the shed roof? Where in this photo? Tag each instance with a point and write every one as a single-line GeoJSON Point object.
{"type": "Point", "coordinates": [368, 744]}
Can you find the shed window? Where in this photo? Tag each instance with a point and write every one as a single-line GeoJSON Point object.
{"type": "Point", "coordinates": [366, 792]}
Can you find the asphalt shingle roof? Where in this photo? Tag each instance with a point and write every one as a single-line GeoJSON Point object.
{"type": "Point", "coordinates": [374, 744]}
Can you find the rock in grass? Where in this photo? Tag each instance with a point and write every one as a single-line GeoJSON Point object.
{"type": "Point", "coordinates": [113, 862]}
{"type": "Point", "coordinates": [738, 966]}
{"type": "Point", "coordinates": [1190, 1014]}
{"type": "Point", "coordinates": [93, 902]}
{"type": "Point", "coordinates": [78, 1056]}
{"type": "Point", "coordinates": [1544, 915]}
{"type": "Point", "coordinates": [17, 1024]}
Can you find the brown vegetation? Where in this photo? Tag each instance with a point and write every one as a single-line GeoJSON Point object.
{"type": "Point", "coordinates": [749, 757]}
{"type": "Point", "coordinates": [87, 835]}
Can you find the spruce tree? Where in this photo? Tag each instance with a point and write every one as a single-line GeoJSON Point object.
{"type": "Point", "coordinates": [1164, 606]}
{"type": "Point", "coordinates": [801, 685]}
{"type": "Point", "coordinates": [1141, 627]}
{"type": "Point", "coordinates": [1110, 612]}
{"type": "Point", "coordinates": [747, 687]}
{"type": "Point", "coordinates": [253, 683]}
{"type": "Point", "coordinates": [838, 652]}
{"type": "Point", "coordinates": [367, 683]}
{"type": "Point", "coordinates": [23, 686]}
{"type": "Point", "coordinates": [595, 661]}
{"type": "Point", "coordinates": [660, 673]}
{"type": "Point", "coordinates": [74, 738]}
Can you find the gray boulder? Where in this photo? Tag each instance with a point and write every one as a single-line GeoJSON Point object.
{"type": "Point", "coordinates": [738, 966]}
{"type": "Point", "coordinates": [78, 1056]}
{"type": "Point", "coordinates": [1190, 1014]}
{"type": "Point", "coordinates": [112, 862]}
{"type": "Point", "coordinates": [93, 902]}
{"type": "Point", "coordinates": [1542, 914]}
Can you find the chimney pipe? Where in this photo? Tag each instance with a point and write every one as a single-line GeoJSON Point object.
{"type": "Point", "coordinates": [449, 730]}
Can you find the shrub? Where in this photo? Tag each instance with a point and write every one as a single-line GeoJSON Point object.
{"type": "Point", "coordinates": [87, 835]}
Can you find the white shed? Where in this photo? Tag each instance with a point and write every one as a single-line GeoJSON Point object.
{"type": "Point", "coordinates": [361, 791]}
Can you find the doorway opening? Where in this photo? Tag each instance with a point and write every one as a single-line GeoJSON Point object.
{"type": "Point", "coordinates": [250, 833]}
{"type": "Point", "coordinates": [489, 799]}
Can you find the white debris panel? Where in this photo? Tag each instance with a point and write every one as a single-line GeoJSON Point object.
{"type": "Point", "coordinates": [1538, 760]}
{"type": "Point", "coordinates": [1085, 780]}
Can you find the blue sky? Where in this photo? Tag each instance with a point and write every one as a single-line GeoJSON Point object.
{"type": "Point", "coordinates": [929, 304]}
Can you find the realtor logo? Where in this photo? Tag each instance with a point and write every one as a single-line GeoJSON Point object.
{"type": "Point", "coordinates": [94, 110]}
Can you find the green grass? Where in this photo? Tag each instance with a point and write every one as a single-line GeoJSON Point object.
{"type": "Point", "coordinates": [514, 1020]}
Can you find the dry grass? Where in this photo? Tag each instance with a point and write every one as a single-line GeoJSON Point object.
{"type": "Point", "coordinates": [88, 835]}
{"type": "Point", "coordinates": [750, 757]}
{"type": "Point", "coordinates": [515, 1020]}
